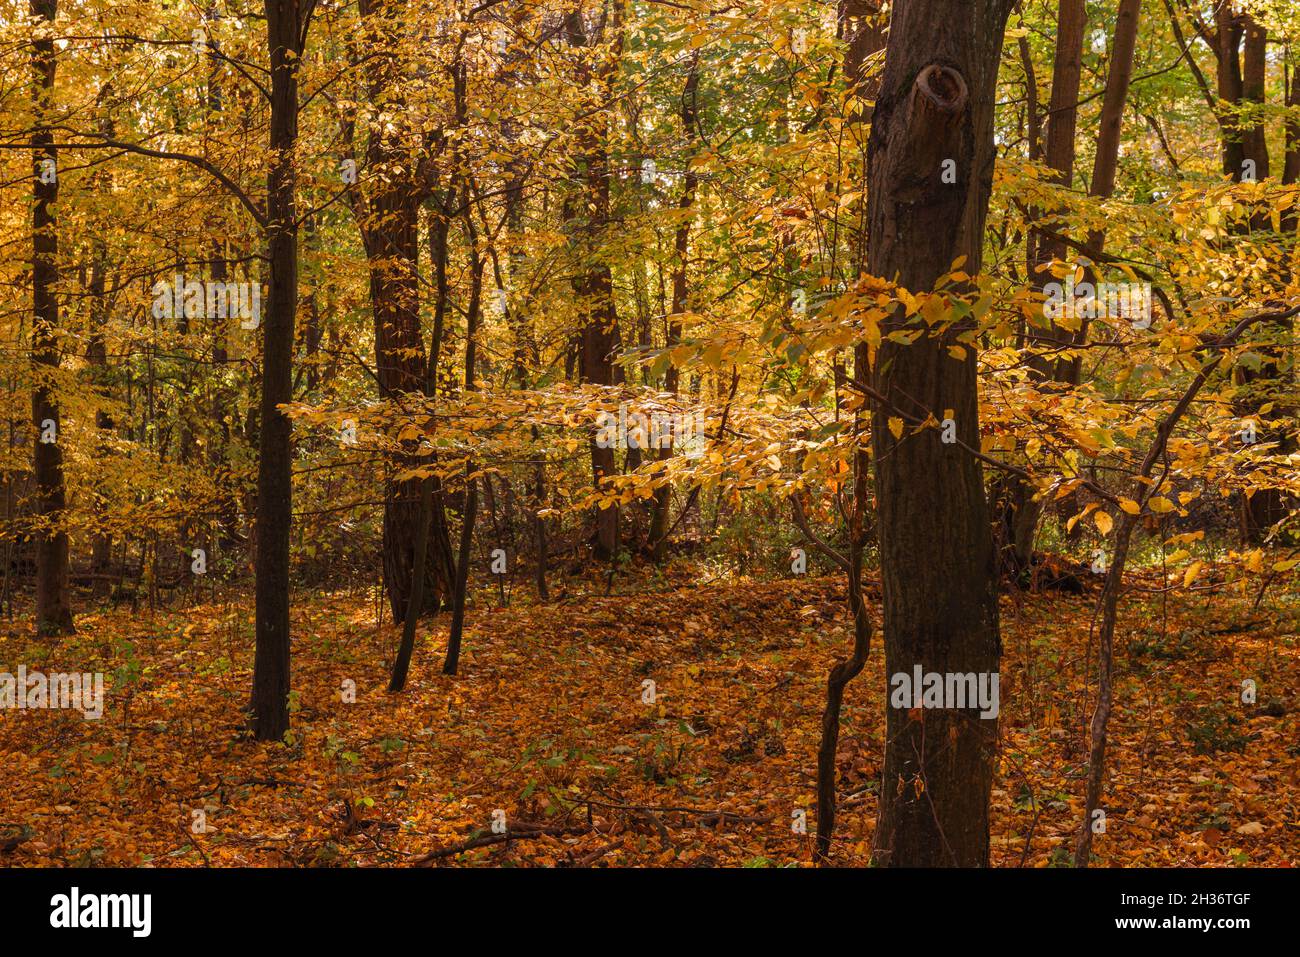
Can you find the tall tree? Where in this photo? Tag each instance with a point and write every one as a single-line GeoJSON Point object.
{"type": "Point", "coordinates": [938, 578]}
{"type": "Point", "coordinates": [594, 283]}
{"type": "Point", "coordinates": [1018, 508]}
{"type": "Point", "coordinates": [689, 114]}
{"type": "Point", "coordinates": [398, 179]}
{"type": "Point", "coordinates": [286, 36]}
{"type": "Point", "coordinates": [53, 603]}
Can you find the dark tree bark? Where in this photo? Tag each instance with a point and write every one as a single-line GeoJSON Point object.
{"type": "Point", "coordinates": [1227, 48]}
{"type": "Point", "coordinates": [845, 670]}
{"type": "Point", "coordinates": [388, 216]}
{"type": "Point", "coordinates": [1272, 383]}
{"type": "Point", "coordinates": [594, 285]}
{"type": "Point", "coordinates": [1253, 143]}
{"type": "Point", "coordinates": [938, 574]}
{"type": "Point", "coordinates": [1020, 513]}
{"type": "Point", "coordinates": [401, 362]}
{"type": "Point", "coordinates": [431, 497]}
{"type": "Point", "coordinates": [286, 35]}
{"type": "Point", "coordinates": [452, 660]}
{"type": "Point", "coordinates": [1018, 510]}
{"type": "Point", "coordinates": [53, 601]}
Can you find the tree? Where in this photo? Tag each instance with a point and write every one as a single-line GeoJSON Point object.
{"type": "Point", "coordinates": [287, 22]}
{"type": "Point", "coordinates": [397, 179]}
{"type": "Point", "coordinates": [938, 577]}
{"type": "Point", "coordinates": [1019, 509]}
{"type": "Point", "coordinates": [594, 285]}
{"type": "Point", "coordinates": [53, 603]}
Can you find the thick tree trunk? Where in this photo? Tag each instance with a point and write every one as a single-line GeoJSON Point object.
{"type": "Point", "coordinates": [1118, 77]}
{"type": "Point", "coordinates": [392, 239]}
{"type": "Point", "coordinates": [1254, 146]}
{"type": "Point", "coordinates": [53, 601]}
{"type": "Point", "coordinates": [938, 573]}
{"type": "Point", "coordinates": [270, 703]}
{"type": "Point", "coordinates": [431, 494]}
{"type": "Point", "coordinates": [388, 214]}
{"type": "Point", "coordinates": [1227, 37]}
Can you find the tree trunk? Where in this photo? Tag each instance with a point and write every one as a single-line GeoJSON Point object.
{"type": "Point", "coordinates": [431, 495]}
{"type": "Point", "coordinates": [1271, 383]}
{"type": "Point", "coordinates": [681, 248]}
{"type": "Point", "coordinates": [937, 561]}
{"type": "Point", "coordinates": [392, 249]}
{"type": "Point", "coordinates": [452, 660]}
{"type": "Point", "coordinates": [1018, 510]}
{"type": "Point", "coordinates": [864, 31]}
{"type": "Point", "coordinates": [270, 704]}
{"type": "Point", "coordinates": [1254, 147]}
{"type": "Point", "coordinates": [594, 285]}
{"type": "Point", "coordinates": [1291, 159]}
{"type": "Point", "coordinates": [1227, 37]}
{"type": "Point", "coordinates": [101, 548]}
{"type": "Point", "coordinates": [53, 601]}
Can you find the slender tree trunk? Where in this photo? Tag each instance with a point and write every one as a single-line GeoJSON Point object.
{"type": "Point", "coordinates": [452, 661]}
{"type": "Point", "coordinates": [864, 29]}
{"type": "Point", "coordinates": [53, 600]}
{"type": "Point", "coordinates": [1018, 509]}
{"type": "Point", "coordinates": [847, 669]}
{"type": "Point", "coordinates": [681, 249]}
{"type": "Point", "coordinates": [270, 704]}
{"type": "Point", "coordinates": [101, 548]}
{"type": "Point", "coordinates": [1291, 160]}
{"type": "Point", "coordinates": [1273, 382]}
{"type": "Point", "coordinates": [938, 572]}
{"type": "Point", "coordinates": [1141, 491]}
{"type": "Point", "coordinates": [1020, 512]}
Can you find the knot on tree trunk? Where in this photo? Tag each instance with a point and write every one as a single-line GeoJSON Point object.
{"type": "Point", "coordinates": [941, 89]}
{"type": "Point", "coordinates": [928, 133]}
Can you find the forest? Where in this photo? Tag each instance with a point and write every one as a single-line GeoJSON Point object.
{"type": "Point", "coordinates": [649, 433]}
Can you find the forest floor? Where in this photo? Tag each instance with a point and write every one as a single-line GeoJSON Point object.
{"type": "Point", "coordinates": [546, 722]}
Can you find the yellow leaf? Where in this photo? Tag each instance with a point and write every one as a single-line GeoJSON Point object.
{"type": "Point", "coordinates": [896, 426]}
{"type": "Point", "coordinates": [1104, 522]}
{"type": "Point", "coordinates": [1193, 570]}
{"type": "Point", "coordinates": [1130, 506]}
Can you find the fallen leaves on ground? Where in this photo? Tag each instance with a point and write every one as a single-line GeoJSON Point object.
{"type": "Point", "coordinates": [550, 725]}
